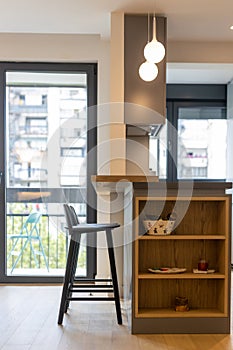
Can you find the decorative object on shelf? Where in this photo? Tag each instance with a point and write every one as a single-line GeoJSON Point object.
{"type": "Point", "coordinates": [159, 227]}
{"type": "Point", "coordinates": [203, 265]}
{"type": "Point", "coordinates": [201, 271]}
{"type": "Point", "coordinates": [181, 304]}
{"type": "Point", "coordinates": [154, 52]}
{"type": "Point", "coordinates": [167, 270]}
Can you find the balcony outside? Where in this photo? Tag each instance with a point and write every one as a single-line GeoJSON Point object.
{"type": "Point", "coordinates": [43, 174]}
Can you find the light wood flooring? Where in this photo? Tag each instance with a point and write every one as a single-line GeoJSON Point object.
{"type": "Point", "coordinates": [28, 320]}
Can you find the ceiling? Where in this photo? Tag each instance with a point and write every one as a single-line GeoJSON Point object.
{"type": "Point", "coordinates": [199, 20]}
{"type": "Point", "coordinates": [186, 19]}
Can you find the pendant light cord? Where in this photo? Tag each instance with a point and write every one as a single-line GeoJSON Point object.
{"type": "Point", "coordinates": [154, 28]}
{"type": "Point", "coordinates": [154, 23]}
{"type": "Point", "coordinates": [148, 28]}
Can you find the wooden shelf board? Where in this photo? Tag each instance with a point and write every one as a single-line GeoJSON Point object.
{"type": "Point", "coordinates": [185, 275]}
{"type": "Point", "coordinates": [124, 178]}
{"type": "Point", "coordinates": [183, 198]}
{"type": "Point", "coordinates": [184, 237]}
{"type": "Point", "coordinates": [157, 313]}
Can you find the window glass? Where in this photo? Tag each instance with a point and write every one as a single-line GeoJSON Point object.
{"type": "Point", "coordinates": [46, 131]}
{"type": "Point", "coordinates": [202, 139]}
{"type": "Point", "coordinates": [158, 153]}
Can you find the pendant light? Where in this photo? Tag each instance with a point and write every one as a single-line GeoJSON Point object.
{"type": "Point", "coordinates": [154, 51]}
{"type": "Point", "coordinates": [148, 71]}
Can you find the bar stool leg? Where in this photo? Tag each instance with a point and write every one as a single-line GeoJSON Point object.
{"type": "Point", "coordinates": [114, 274]}
{"type": "Point", "coordinates": [68, 275]}
{"type": "Point", "coordinates": [73, 270]}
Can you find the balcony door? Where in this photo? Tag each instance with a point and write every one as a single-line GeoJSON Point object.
{"type": "Point", "coordinates": [47, 129]}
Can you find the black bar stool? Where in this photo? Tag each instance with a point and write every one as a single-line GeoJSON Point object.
{"type": "Point", "coordinates": [73, 284]}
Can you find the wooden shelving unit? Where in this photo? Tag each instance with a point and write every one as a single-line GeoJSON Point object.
{"type": "Point", "coordinates": [202, 231]}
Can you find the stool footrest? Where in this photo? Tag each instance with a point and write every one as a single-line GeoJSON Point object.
{"type": "Point", "coordinates": [75, 286]}
{"type": "Point", "coordinates": [77, 279]}
{"type": "Point", "coordinates": [91, 298]}
{"type": "Point", "coordinates": [92, 290]}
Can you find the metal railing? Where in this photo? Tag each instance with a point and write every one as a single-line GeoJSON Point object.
{"type": "Point", "coordinates": [52, 232]}
{"type": "Point", "coordinates": [53, 237]}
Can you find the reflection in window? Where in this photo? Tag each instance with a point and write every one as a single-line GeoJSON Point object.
{"type": "Point", "coordinates": [158, 153]}
{"type": "Point", "coordinates": [202, 148]}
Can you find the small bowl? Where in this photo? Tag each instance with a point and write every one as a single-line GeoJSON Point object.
{"type": "Point", "coordinates": [159, 227]}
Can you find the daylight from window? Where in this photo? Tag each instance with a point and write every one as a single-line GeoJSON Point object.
{"type": "Point", "coordinates": [46, 148]}
{"type": "Point", "coordinates": [202, 149]}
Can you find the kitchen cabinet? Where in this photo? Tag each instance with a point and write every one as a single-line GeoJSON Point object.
{"type": "Point", "coordinates": [202, 231]}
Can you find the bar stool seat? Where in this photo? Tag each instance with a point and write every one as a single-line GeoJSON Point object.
{"type": "Point", "coordinates": [77, 285]}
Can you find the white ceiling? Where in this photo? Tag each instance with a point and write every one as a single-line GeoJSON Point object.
{"type": "Point", "coordinates": [187, 20]}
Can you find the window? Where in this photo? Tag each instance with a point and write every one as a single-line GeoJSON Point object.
{"type": "Point", "coordinates": [47, 133]}
{"type": "Point", "coordinates": [199, 155]}
{"type": "Point", "coordinates": [158, 153]}
{"type": "Point", "coordinates": [72, 152]}
{"type": "Point", "coordinates": [36, 125]}
{"type": "Point", "coordinates": [196, 118]}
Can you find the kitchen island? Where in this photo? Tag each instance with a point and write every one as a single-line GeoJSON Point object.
{"type": "Point", "coordinates": [202, 230]}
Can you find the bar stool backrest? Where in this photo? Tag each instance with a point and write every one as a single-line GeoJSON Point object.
{"type": "Point", "coordinates": [71, 217]}
{"type": "Point", "coordinates": [74, 216]}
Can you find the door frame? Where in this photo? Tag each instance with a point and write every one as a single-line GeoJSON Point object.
{"type": "Point", "coordinates": [91, 70]}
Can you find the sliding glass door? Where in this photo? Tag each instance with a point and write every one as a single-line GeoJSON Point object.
{"type": "Point", "coordinates": [45, 124]}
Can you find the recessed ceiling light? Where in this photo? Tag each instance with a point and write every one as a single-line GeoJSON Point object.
{"type": "Point", "coordinates": [231, 27]}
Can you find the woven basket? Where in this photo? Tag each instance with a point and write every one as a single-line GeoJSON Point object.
{"type": "Point", "coordinates": [159, 227]}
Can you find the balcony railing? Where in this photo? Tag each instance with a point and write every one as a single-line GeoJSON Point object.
{"type": "Point", "coordinates": [55, 243]}
{"type": "Point", "coordinates": [23, 108]}
{"type": "Point", "coordinates": [31, 175]}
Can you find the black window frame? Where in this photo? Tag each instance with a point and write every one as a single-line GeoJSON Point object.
{"type": "Point", "coordinates": [91, 70]}
{"type": "Point", "coordinates": [187, 96]}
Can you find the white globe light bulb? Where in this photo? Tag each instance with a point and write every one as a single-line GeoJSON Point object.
{"type": "Point", "coordinates": [154, 51]}
{"type": "Point", "coordinates": [148, 71]}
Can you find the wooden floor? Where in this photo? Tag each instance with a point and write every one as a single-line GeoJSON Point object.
{"type": "Point", "coordinates": [28, 320]}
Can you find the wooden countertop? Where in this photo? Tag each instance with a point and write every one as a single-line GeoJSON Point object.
{"type": "Point", "coordinates": [141, 184]}
{"type": "Point", "coordinates": [124, 178]}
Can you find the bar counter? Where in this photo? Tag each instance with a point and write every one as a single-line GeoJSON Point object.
{"type": "Point", "coordinates": [203, 227]}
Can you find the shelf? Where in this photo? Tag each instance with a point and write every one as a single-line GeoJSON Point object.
{"type": "Point", "coordinates": [184, 237]}
{"type": "Point", "coordinates": [186, 275]}
{"type": "Point", "coordinates": [203, 228]}
{"type": "Point", "coordinates": [124, 178]}
{"type": "Point", "coordinates": [149, 313]}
